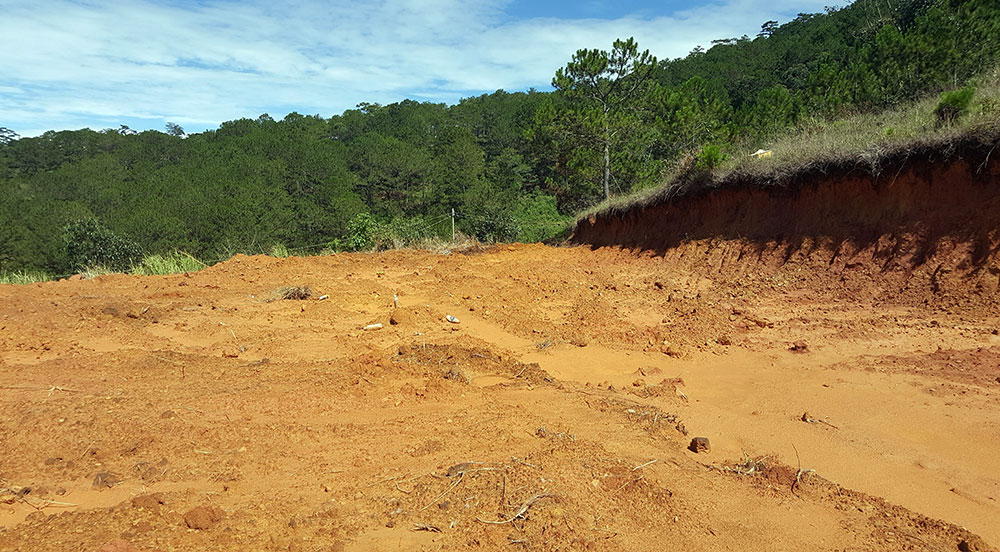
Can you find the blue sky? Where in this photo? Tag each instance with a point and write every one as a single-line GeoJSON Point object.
{"type": "Point", "coordinates": [73, 64]}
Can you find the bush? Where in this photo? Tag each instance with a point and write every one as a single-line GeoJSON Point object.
{"type": "Point", "coordinates": [710, 157]}
{"type": "Point", "coordinates": [365, 232]}
{"type": "Point", "coordinates": [361, 231]}
{"type": "Point", "coordinates": [278, 251]}
{"type": "Point", "coordinates": [411, 231]}
{"type": "Point", "coordinates": [492, 224]}
{"type": "Point", "coordinates": [953, 104]}
{"type": "Point", "coordinates": [89, 244]}
{"type": "Point", "coordinates": [539, 219]}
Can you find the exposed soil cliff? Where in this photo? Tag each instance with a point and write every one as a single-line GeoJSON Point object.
{"type": "Point", "coordinates": [930, 221]}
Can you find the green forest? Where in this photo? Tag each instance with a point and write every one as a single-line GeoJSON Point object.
{"type": "Point", "coordinates": [510, 165]}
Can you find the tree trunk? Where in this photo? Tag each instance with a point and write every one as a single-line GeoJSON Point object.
{"type": "Point", "coordinates": [606, 177]}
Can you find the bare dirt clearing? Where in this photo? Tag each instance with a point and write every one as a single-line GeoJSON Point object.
{"type": "Point", "coordinates": [555, 415]}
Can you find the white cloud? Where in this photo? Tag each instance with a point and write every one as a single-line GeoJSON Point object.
{"type": "Point", "coordinates": [69, 64]}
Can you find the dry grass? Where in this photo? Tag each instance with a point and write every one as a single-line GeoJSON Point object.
{"type": "Point", "coordinates": [868, 142]}
{"type": "Point", "coordinates": [292, 293]}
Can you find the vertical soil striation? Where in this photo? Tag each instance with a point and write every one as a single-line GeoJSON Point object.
{"type": "Point", "coordinates": [919, 222]}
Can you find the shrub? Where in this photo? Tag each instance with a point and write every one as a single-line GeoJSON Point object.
{"type": "Point", "coordinates": [493, 224]}
{"type": "Point", "coordinates": [953, 104]}
{"type": "Point", "coordinates": [278, 250]}
{"type": "Point", "coordinates": [710, 157]}
{"type": "Point", "coordinates": [538, 218]}
{"type": "Point", "coordinates": [361, 230]}
{"type": "Point", "coordinates": [89, 244]}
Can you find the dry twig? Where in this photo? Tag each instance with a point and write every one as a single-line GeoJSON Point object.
{"type": "Point", "coordinates": [461, 476]}
{"type": "Point", "coordinates": [810, 420]}
{"type": "Point", "coordinates": [50, 389]}
{"type": "Point", "coordinates": [521, 511]}
{"type": "Point", "coordinates": [800, 472]}
{"type": "Point", "coordinates": [630, 481]}
{"type": "Point", "coordinates": [640, 466]}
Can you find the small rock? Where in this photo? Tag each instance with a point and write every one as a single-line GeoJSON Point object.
{"type": "Point", "coordinates": [647, 371]}
{"type": "Point", "coordinates": [699, 444]}
{"type": "Point", "coordinates": [106, 480]}
{"type": "Point", "coordinates": [670, 349]}
{"type": "Point", "coordinates": [542, 432]}
{"type": "Point", "coordinates": [724, 340]}
{"type": "Point", "coordinates": [799, 347]}
{"type": "Point", "coordinates": [168, 414]}
{"type": "Point", "coordinates": [371, 327]}
{"type": "Point", "coordinates": [459, 469]}
{"type": "Point", "coordinates": [151, 501]}
{"type": "Point", "coordinates": [203, 517]}
{"type": "Point", "coordinates": [452, 319]}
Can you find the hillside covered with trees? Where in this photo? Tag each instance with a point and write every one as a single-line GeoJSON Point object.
{"type": "Point", "coordinates": [512, 166]}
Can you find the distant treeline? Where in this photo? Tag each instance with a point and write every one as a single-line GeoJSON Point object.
{"type": "Point", "coordinates": [511, 165]}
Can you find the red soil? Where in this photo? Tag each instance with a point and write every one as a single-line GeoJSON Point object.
{"type": "Point", "coordinates": [557, 413]}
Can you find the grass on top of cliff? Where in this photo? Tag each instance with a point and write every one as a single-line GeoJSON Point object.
{"type": "Point", "coordinates": [863, 141]}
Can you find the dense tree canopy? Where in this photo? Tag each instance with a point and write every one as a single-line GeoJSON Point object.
{"type": "Point", "coordinates": [511, 165]}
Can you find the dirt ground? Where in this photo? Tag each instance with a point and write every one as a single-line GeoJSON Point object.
{"type": "Point", "coordinates": [204, 412]}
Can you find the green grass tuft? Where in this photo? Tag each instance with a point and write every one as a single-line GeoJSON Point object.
{"type": "Point", "coordinates": [278, 250]}
{"type": "Point", "coordinates": [170, 263]}
{"type": "Point", "coordinates": [22, 277]}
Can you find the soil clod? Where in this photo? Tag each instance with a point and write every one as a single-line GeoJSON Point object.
{"type": "Point", "coordinates": [799, 347]}
{"type": "Point", "coordinates": [203, 517]}
{"type": "Point", "coordinates": [699, 445]}
{"type": "Point", "coordinates": [106, 480]}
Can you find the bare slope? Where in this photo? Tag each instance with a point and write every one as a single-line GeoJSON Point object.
{"type": "Point", "coordinates": [552, 417]}
{"type": "Point", "coordinates": [926, 218]}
